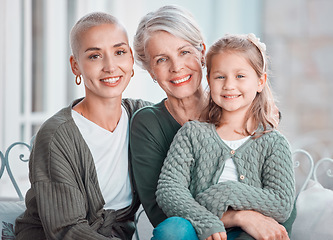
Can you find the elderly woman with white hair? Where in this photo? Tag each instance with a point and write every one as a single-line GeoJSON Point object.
{"type": "Point", "coordinates": [169, 45]}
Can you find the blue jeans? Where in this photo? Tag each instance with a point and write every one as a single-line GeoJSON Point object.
{"type": "Point", "coordinates": [233, 233]}
{"type": "Point", "coordinates": [175, 228]}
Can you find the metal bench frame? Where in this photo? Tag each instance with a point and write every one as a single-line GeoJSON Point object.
{"type": "Point", "coordinates": [5, 165]}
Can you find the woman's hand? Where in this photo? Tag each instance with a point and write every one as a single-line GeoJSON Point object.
{"type": "Point", "coordinates": [218, 236]}
{"type": "Point", "coordinates": [255, 224]}
{"type": "Point", "coordinates": [262, 227]}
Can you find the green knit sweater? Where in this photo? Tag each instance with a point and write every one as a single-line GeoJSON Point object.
{"type": "Point", "coordinates": [152, 131]}
{"type": "Point", "coordinates": [188, 186]}
{"type": "Point", "coordinates": [65, 200]}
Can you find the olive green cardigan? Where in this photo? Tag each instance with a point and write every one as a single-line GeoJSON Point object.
{"type": "Point", "coordinates": [65, 201]}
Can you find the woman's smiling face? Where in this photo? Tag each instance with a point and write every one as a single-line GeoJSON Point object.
{"type": "Point", "coordinates": [105, 61]}
{"type": "Point", "coordinates": [175, 64]}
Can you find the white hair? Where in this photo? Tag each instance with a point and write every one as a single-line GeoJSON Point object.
{"type": "Point", "coordinates": [172, 19]}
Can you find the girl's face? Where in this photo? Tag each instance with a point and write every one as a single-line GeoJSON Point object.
{"type": "Point", "coordinates": [233, 82]}
{"type": "Point", "coordinates": [175, 64]}
{"type": "Point", "coordinates": [105, 61]}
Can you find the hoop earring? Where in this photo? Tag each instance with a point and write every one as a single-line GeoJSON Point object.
{"type": "Point", "coordinates": [76, 81]}
{"type": "Point", "coordinates": [132, 73]}
{"type": "Point", "coordinates": [154, 80]}
{"type": "Point", "coordinates": [203, 64]}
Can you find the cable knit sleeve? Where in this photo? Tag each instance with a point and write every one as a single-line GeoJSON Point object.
{"type": "Point", "coordinates": [173, 193]}
{"type": "Point", "coordinates": [275, 197]}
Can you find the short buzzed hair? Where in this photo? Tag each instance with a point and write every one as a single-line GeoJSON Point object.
{"type": "Point", "coordinates": [86, 22]}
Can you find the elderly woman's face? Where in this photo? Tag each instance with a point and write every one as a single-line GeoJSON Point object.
{"type": "Point", "coordinates": [175, 64]}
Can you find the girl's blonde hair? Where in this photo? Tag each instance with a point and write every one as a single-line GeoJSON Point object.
{"type": "Point", "coordinates": [263, 106]}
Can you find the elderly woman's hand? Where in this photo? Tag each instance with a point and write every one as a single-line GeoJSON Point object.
{"type": "Point", "coordinates": [218, 236]}
{"type": "Point", "coordinates": [255, 224]}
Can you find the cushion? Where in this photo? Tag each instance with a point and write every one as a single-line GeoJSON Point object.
{"type": "Point", "coordinates": [314, 213]}
{"type": "Point", "coordinates": [9, 211]}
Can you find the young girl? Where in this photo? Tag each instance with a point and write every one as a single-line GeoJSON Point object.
{"type": "Point", "coordinates": [236, 159]}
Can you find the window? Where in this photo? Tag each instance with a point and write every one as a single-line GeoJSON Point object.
{"type": "Point", "coordinates": [36, 79]}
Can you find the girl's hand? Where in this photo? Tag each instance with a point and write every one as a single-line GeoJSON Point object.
{"type": "Point", "coordinates": [218, 236]}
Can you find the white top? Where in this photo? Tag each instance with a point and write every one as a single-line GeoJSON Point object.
{"type": "Point", "coordinates": [110, 154]}
{"type": "Point", "coordinates": [230, 172]}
